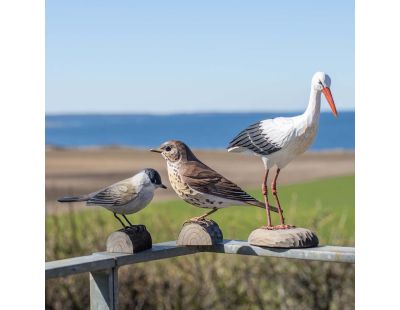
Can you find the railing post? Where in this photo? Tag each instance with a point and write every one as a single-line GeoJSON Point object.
{"type": "Point", "coordinates": [104, 289]}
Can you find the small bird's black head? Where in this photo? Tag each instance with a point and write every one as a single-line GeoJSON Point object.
{"type": "Point", "coordinates": [154, 177]}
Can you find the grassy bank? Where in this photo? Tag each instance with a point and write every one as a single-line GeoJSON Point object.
{"type": "Point", "coordinates": [213, 280]}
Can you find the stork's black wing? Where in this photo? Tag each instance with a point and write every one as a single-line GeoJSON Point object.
{"type": "Point", "coordinates": [254, 138]}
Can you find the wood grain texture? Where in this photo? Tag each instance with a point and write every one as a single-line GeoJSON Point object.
{"type": "Point", "coordinates": [129, 240]}
{"type": "Point", "coordinates": [204, 232]}
{"type": "Point", "coordinates": [284, 238]}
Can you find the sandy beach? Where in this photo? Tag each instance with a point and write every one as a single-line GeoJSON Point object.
{"type": "Point", "coordinates": [78, 171]}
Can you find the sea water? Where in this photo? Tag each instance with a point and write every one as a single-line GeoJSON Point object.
{"type": "Point", "coordinates": [207, 130]}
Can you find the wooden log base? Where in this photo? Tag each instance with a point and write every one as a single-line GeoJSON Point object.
{"type": "Point", "coordinates": [290, 238]}
{"type": "Point", "coordinates": [129, 240]}
{"type": "Point", "coordinates": [200, 233]}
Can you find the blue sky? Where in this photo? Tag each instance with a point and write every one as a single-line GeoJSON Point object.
{"type": "Point", "coordinates": [189, 56]}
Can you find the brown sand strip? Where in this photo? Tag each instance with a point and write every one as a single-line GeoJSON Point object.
{"type": "Point", "coordinates": [76, 171]}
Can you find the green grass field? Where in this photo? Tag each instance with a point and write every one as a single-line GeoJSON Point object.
{"type": "Point", "coordinates": [216, 281]}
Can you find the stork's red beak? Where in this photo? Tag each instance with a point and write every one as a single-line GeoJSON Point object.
{"type": "Point", "coordinates": [329, 98]}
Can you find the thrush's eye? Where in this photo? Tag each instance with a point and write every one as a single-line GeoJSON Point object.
{"type": "Point", "coordinates": [168, 148]}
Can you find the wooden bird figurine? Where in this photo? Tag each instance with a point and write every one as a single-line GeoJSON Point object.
{"type": "Point", "coordinates": [198, 184]}
{"type": "Point", "coordinates": [278, 141]}
{"type": "Point", "coordinates": [124, 197]}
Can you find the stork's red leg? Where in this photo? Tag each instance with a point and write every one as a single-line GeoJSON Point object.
{"type": "Point", "coordinates": [265, 193]}
{"type": "Point", "coordinates": [275, 193]}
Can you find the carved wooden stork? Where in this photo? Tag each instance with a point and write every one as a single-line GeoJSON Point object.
{"type": "Point", "coordinates": [277, 141]}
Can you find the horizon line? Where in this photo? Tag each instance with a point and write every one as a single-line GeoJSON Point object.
{"type": "Point", "coordinates": [148, 113]}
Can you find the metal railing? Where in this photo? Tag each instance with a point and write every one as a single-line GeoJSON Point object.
{"type": "Point", "coordinates": [103, 266]}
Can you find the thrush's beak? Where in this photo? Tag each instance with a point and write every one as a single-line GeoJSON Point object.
{"type": "Point", "coordinates": [329, 98]}
{"type": "Point", "coordinates": [163, 186]}
{"type": "Point", "coordinates": [156, 150]}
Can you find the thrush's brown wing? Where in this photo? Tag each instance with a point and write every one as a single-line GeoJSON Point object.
{"type": "Point", "coordinates": [202, 178]}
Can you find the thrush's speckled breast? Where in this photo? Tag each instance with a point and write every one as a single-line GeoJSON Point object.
{"type": "Point", "coordinates": [185, 192]}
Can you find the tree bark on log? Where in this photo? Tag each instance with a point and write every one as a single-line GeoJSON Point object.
{"type": "Point", "coordinates": [129, 240]}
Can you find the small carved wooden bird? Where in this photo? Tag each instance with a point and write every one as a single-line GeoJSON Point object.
{"type": "Point", "coordinates": [198, 184]}
{"type": "Point", "coordinates": [124, 197]}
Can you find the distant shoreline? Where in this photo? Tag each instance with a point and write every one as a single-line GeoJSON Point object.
{"type": "Point", "coordinates": [291, 112]}
{"type": "Point", "coordinates": [53, 147]}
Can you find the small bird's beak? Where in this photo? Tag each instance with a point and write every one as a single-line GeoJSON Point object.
{"type": "Point", "coordinates": [163, 186]}
{"type": "Point", "coordinates": [156, 150]}
{"type": "Point", "coordinates": [329, 98]}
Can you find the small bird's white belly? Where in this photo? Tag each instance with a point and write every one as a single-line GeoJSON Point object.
{"type": "Point", "coordinates": [137, 204]}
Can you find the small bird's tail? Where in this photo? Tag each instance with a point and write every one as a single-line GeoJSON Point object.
{"type": "Point", "coordinates": [262, 205]}
{"type": "Point", "coordinates": [73, 198]}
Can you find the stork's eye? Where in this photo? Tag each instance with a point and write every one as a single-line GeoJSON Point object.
{"type": "Point", "coordinates": [168, 148]}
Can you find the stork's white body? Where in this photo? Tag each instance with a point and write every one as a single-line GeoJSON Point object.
{"type": "Point", "coordinates": [278, 141]}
